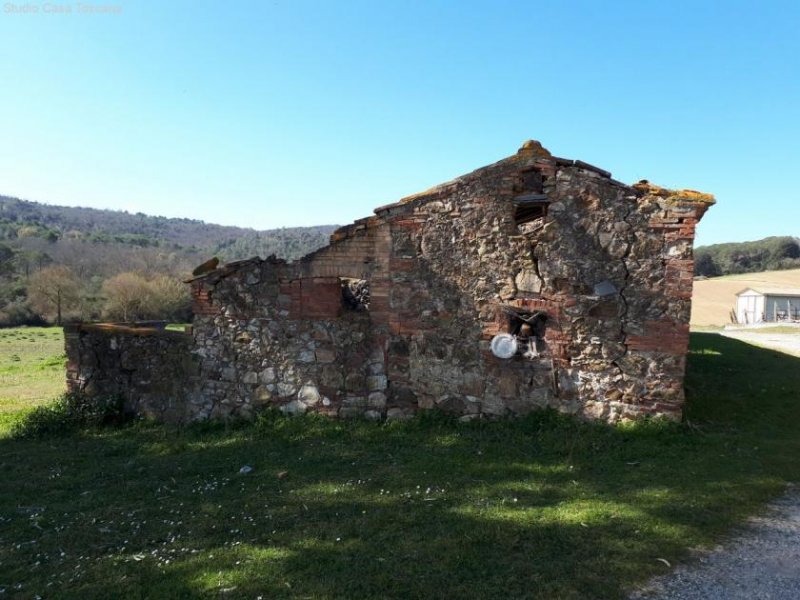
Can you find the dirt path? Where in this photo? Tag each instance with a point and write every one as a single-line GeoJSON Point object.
{"type": "Point", "coordinates": [783, 342]}
{"type": "Point", "coordinates": [762, 561]}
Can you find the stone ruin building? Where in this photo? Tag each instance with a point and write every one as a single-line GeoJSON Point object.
{"type": "Point", "coordinates": [534, 282]}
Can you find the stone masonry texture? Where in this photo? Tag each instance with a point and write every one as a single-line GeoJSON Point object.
{"type": "Point", "coordinates": [591, 277]}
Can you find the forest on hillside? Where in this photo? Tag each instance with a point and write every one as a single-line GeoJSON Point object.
{"type": "Point", "coordinates": [59, 263]}
{"type": "Point", "coordinates": [769, 254]}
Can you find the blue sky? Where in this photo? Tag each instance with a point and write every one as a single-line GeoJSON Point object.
{"type": "Point", "coordinates": [281, 113]}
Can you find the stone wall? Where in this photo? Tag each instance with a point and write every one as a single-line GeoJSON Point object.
{"type": "Point", "coordinates": [591, 276]}
{"type": "Point", "coordinates": [150, 369]}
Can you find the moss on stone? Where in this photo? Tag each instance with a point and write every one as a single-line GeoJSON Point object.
{"type": "Point", "coordinates": [674, 196]}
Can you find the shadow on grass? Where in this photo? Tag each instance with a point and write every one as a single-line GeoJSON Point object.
{"type": "Point", "coordinates": [538, 507]}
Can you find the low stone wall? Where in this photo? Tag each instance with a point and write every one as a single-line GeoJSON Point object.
{"type": "Point", "coordinates": [333, 367]}
{"type": "Point", "coordinates": [153, 370]}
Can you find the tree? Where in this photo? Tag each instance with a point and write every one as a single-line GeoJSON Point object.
{"type": "Point", "coordinates": [28, 261]}
{"type": "Point", "coordinates": [704, 265]}
{"type": "Point", "coordinates": [131, 296]}
{"type": "Point", "coordinates": [169, 298]}
{"type": "Point", "coordinates": [127, 296]}
{"type": "Point", "coordinates": [6, 260]}
{"type": "Point", "coordinates": [53, 288]}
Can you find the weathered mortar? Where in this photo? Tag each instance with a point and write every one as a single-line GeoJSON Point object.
{"type": "Point", "coordinates": [609, 265]}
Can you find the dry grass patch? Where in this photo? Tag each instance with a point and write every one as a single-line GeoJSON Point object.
{"type": "Point", "coordinates": [713, 299]}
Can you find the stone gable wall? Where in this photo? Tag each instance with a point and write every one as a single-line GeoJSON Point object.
{"type": "Point", "coordinates": [608, 265]}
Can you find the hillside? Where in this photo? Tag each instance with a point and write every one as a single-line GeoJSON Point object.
{"type": "Point", "coordinates": [85, 250]}
{"type": "Point", "coordinates": [772, 253]}
{"type": "Point", "coordinates": [713, 299]}
{"type": "Point", "coordinates": [21, 219]}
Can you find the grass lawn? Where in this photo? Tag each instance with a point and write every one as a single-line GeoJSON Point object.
{"type": "Point", "coordinates": [31, 369]}
{"type": "Point", "coordinates": [543, 507]}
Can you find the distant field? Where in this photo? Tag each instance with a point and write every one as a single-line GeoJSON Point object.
{"type": "Point", "coordinates": [31, 368]}
{"type": "Point", "coordinates": [714, 298]}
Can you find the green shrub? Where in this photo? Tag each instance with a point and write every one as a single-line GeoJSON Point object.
{"type": "Point", "coordinates": [69, 413]}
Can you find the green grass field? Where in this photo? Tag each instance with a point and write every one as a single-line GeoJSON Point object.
{"type": "Point", "coordinates": [543, 507]}
{"type": "Point", "coordinates": [31, 369]}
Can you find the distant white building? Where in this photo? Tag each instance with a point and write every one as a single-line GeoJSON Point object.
{"type": "Point", "coordinates": [767, 305]}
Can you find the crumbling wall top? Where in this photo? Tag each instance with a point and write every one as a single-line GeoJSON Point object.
{"type": "Point", "coordinates": [123, 329]}
{"type": "Point", "coordinates": [674, 196]}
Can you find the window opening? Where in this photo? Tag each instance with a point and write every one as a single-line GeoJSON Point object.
{"type": "Point", "coordinates": [528, 328]}
{"type": "Point", "coordinates": [355, 294]}
{"type": "Point", "coordinates": [530, 211]}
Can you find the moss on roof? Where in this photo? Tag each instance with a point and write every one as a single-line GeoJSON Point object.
{"type": "Point", "coordinates": [674, 196]}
